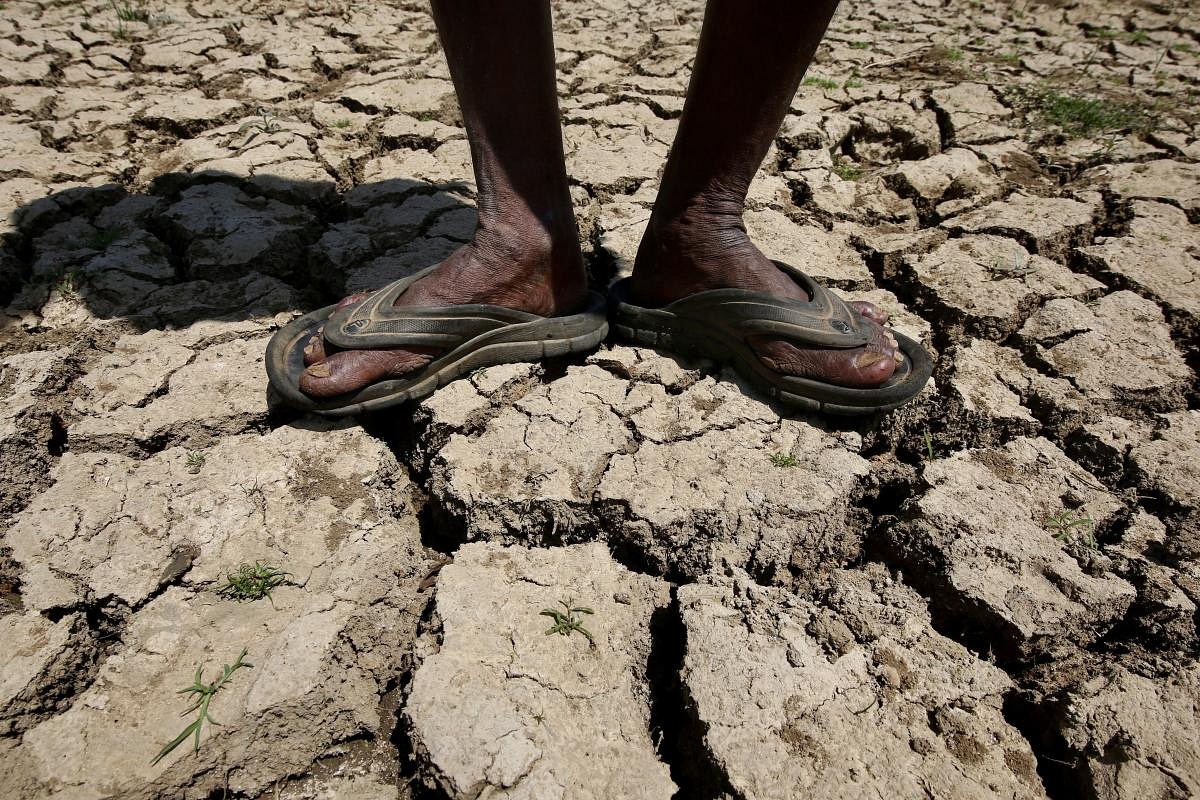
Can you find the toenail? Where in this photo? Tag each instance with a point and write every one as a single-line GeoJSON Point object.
{"type": "Point", "coordinates": [318, 370]}
{"type": "Point", "coordinates": [898, 356]}
{"type": "Point", "coordinates": [869, 359]}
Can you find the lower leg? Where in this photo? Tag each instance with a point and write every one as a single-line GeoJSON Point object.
{"type": "Point", "coordinates": [751, 59]}
{"type": "Point", "coordinates": [525, 252]}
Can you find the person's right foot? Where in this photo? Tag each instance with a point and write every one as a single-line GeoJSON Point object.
{"type": "Point", "coordinates": [526, 269]}
{"type": "Point", "coordinates": [701, 250]}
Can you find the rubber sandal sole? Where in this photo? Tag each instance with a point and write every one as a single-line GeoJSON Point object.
{"type": "Point", "coordinates": [546, 337]}
{"type": "Point", "coordinates": [667, 331]}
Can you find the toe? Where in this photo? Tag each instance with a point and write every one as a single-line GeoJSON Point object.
{"type": "Point", "coordinates": [870, 311]}
{"type": "Point", "coordinates": [350, 370]}
{"type": "Point", "coordinates": [861, 368]}
{"type": "Point", "coordinates": [314, 349]}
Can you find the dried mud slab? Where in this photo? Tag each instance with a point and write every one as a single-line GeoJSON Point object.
{"type": "Point", "coordinates": [1174, 182]}
{"type": "Point", "coordinates": [1048, 226]}
{"type": "Point", "coordinates": [1132, 737]}
{"type": "Point", "coordinates": [989, 285]}
{"type": "Point", "coordinates": [113, 527]}
{"type": "Point", "coordinates": [997, 542]}
{"type": "Point", "coordinates": [1168, 465]}
{"type": "Point", "coordinates": [1159, 257]}
{"type": "Point", "coordinates": [167, 387]}
{"type": "Point", "coordinates": [662, 460]}
{"type": "Point", "coordinates": [500, 709]}
{"type": "Point", "coordinates": [145, 543]}
{"type": "Point", "coordinates": [1116, 350]}
{"type": "Point", "coordinates": [40, 666]}
{"type": "Point", "coordinates": [853, 695]}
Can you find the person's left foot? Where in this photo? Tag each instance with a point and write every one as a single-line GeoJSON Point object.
{"type": "Point", "coordinates": [526, 269]}
{"type": "Point", "coordinates": [699, 250]}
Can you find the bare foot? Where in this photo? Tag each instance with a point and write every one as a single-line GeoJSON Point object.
{"type": "Point", "coordinates": [526, 270]}
{"type": "Point", "coordinates": [701, 250]}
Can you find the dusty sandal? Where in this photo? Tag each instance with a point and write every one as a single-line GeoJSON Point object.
{"type": "Point", "coordinates": [715, 324]}
{"type": "Point", "coordinates": [474, 335]}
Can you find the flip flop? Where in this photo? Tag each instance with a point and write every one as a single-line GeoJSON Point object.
{"type": "Point", "coordinates": [474, 335]}
{"type": "Point", "coordinates": [715, 324]}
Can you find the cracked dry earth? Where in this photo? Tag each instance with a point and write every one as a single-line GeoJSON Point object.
{"type": "Point", "coordinates": [991, 592]}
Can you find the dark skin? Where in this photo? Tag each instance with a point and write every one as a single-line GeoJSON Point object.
{"type": "Point", "coordinates": [525, 253]}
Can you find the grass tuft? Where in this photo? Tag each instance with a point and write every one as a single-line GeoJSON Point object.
{"type": "Point", "coordinates": [195, 460]}
{"type": "Point", "coordinates": [102, 238]}
{"type": "Point", "coordinates": [68, 285]}
{"type": "Point", "coordinates": [252, 581]}
{"type": "Point", "coordinates": [1081, 115]}
{"type": "Point", "coordinates": [848, 170]}
{"type": "Point", "coordinates": [784, 460]}
{"type": "Point", "coordinates": [822, 83]}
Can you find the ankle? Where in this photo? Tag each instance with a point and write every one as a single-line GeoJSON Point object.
{"type": "Point", "coordinates": [529, 244]}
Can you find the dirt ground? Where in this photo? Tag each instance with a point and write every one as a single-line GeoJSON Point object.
{"type": "Point", "coordinates": [991, 592]}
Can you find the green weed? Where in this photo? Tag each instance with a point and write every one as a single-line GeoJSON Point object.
{"type": "Point", "coordinates": [858, 45]}
{"type": "Point", "coordinates": [128, 12]}
{"type": "Point", "coordinates": [940, 52]}
{"type": "Point", "coordinates": [1137, 37]}
{"type": "Point", "coordinates": [847, 170]}
{"type": "Point", "coordinates": [102, 238]}
{"type": "Point", "coordinates": [928, 445]}
{"type": "Point", "coordinates": [1079, 115]}
{"type": "Point", "coordinates": [567, 623]}
{"type": "Point", "coordinates": [68, 285]}
{"type": "Point", "coordinates": [784, 460]}
{"type": "Point", "coordinates": [195, 460]}
{"type": "Point", "coordinates": [344, 122]}
{"type": "Point", "coordinates": [1068, 527]}
{"type": "Point", "coordinates": [853, 83]}
{"type": "Point", "coordinates": [1019, 268]}
{"type": "Point", "coordinates": [265, 122]}
{"type": "Point", "coordinates": [252, 581]}
{"type": "Point", "coordinates": [201, 695]}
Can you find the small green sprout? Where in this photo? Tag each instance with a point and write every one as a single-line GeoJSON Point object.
{"type": "Point", "coordinates": [1138, 37]}
{"type": "Point", "coordinates": [853, 83]}
{"type": "Point", "coordinates": [102, 238]}
{"type": "Point", "coordinates": [202, 695]}
{"type": "Point", "coordinates": [252, 582]}
{"type": "Point", "coordinates": [1067, 527]}
{"type": "Point", "coordinates": [265, 122]}
{"type": "Point", "coordinates": [68, 285]}
{"type": "Point", "coordinates": [858, 45]}
{"type": "Point", "coordinates": [567, 623]}
{"type": "Point", "coordinates": [1017, 269]}
{"type": "Point", "coordinates": [928, 445]}
{"type": "Point", "coordinates": [784, 460]}
{"type": "Point", "coordinates": [344, 122]}
{"type": "Point", "coordinates": [847, 171]}
{"type": "Point", "coordinates": [195, 460]}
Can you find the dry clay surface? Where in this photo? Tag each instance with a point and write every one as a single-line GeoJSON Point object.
{"type": "Point", "coordinates": [990, 593]}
